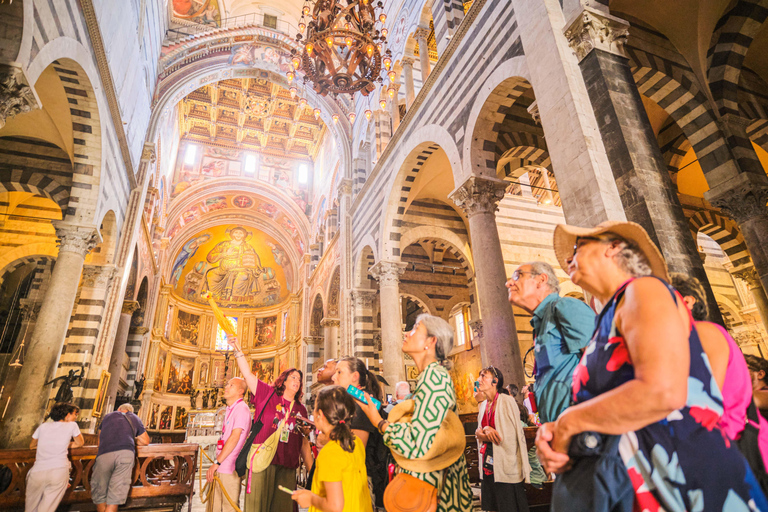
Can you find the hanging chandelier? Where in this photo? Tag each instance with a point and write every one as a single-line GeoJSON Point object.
{"type": "Point", "coordinates": [343, 51]}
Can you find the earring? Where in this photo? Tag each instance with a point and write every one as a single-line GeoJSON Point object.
{"type": "Point", "coordinates": [426, 348]}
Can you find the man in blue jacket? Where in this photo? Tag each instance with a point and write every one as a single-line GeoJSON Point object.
{"type": "Point", "coordinates": [562, 327]}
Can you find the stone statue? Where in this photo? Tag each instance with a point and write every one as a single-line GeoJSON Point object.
{"type": "Point", "coordinates": [65, 390]}
{"type": "Point", "coordinates": [205, 399]}
{"type": "Point", "coordinates": [138, 387]}
{"type": "Point", "coordinates": [193, 398]}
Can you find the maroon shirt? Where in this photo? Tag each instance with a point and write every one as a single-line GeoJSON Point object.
{"type": "Point", "coordinates": [288, 454]}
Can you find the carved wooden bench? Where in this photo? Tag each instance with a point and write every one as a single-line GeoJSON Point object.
{"type": "Point", "coordinates": [164, 476]}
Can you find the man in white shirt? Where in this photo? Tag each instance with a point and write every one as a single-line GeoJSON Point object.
{"type": "Point", "coordinates": [402, 390]}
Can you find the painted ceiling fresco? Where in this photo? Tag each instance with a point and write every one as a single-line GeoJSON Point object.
{"type": "Point", "coordinates": [243, 202]}
{"type": "Point", "coordinates": [206, 12]}
{"type": "Point", "coordinates": [242, 268]}
{"type": "Point", "coordinates": [252, 113]}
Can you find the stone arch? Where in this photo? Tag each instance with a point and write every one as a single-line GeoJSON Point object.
{"type": "Point", "coordinates": [730, 311]}
{"type": "Point", "coordinates": [725, 232]}
{"type": "Point", "coordinates": [13, 266]}
{"type": "Point", "coordinates": [733, 35]}
{"type": "Point", "coordinates": [16, 179]}
{"type": "Point", "coordinates": [27, 251]}
{"type": "Point", "coordinates": [524, 146]}
{"type": "Point", "coordinates": [419, 297]}
{"type": "Point", "coordinates": [363, 262]}
{"type": "Point", "coordinates": [316, 315]}
{"type": "Point", "coordinates": [104, 253]}
{"type": "Point", "coordinates": [420, 146]}
{"type": "Point", "coordinates": [333, 292]}
{"type": "Point", "coordinates": [453, 302]}
{"type": "Point", "coordinates": [506, 84]}
{"type": "Point", "coordinates": [460, 247]}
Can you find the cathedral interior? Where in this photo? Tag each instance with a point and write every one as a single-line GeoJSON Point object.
{"type": "Point", "coordinates": [152, 151]}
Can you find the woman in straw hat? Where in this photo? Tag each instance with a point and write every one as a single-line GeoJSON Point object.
{"type": "Point", "coordinates": [643, 388]}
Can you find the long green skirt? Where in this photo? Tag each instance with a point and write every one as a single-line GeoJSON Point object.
{"type": "Point", "coordinates": [265, 496]}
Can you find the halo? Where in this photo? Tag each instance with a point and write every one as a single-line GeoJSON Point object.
{"type": "Point", "coordinates": [248, 234]}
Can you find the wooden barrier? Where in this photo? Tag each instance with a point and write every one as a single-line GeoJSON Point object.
{"type": "Point", "coordinates": [163, 476]}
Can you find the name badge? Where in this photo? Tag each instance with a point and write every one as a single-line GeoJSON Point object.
{"type": "Point", "coordinates": [284, 434]}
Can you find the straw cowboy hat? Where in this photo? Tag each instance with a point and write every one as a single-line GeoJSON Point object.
{"type": "Point", "coordinates": [566, 236]}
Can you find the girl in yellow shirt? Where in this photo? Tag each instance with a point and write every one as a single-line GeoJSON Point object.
{"type": "Point", "coordinates": [340, 481]}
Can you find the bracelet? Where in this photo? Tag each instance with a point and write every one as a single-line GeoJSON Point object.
{"type": "Point", "coordinates": [381, 424]}
{"type": "Point", "coordinates": [239, 354]}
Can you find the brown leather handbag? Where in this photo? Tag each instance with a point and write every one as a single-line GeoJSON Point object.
{"type": "Point", "coordinates": [406, 493]}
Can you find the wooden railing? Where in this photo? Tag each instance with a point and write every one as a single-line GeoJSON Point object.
{"type": "Point", "coordinates": [163, 476]}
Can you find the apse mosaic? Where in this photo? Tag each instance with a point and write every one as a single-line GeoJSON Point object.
{"type": "Point", "coordinates": [264, 369]}
{"type": "Point", "coordinates": [240, 266]}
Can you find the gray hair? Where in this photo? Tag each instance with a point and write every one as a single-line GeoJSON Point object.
{"type": "Point", "coordinates": [443, 333]}
{"type": "Point", "coordinates": [542, 268]}
{"type": "Point", "coordinates": [404, 386]}
{"type": "Point", "coordinates": [125, 408]}
{"type": "Point", "coordinates": [630, 259]}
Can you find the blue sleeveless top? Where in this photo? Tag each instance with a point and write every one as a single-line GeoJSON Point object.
{"type": "Point", "coordinates": [683, 462]}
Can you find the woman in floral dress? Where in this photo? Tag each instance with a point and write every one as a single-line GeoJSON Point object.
{"type": "Point", "coordinates": [428, 343]}
{"type": "Point", "coordinates": [646, 378]}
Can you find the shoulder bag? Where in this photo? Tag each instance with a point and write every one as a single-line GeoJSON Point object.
{"type": "Point", "coordinates": [749, 446]}
{"type": "Point", "coordinates": [241, 464]}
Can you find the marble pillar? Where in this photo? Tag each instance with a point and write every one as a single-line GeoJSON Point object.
{"type": "Point", "coordinates": [346, 315]}
{"type": "Point", "coordinates": [388, 274]}
{"type": "Point", "coordinates": [330, 338]}
{"type": "Point", "coordinates": [118, 349]}
{"type": "Point", "coordinates": [410, 93]}
{"type": "Point", "coordinates": [394, 110]}
{"type": "Point", "coordinates": [421, 37]}
{"type": "Point", "coordinates": [479, 197]}
{"type": "Point", "coordinates": [29, 403]}
{"type": "Point", "coordinates": [647, 193]}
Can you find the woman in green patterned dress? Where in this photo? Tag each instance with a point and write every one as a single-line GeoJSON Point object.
{"type": "Point", "coordinates": [428, 343]}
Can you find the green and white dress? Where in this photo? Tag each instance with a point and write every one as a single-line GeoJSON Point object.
{"type": "Point", "coordinates": [433, 398]}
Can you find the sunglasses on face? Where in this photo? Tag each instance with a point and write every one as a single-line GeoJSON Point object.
{"type": "Point", "coordinates": [584, 240]}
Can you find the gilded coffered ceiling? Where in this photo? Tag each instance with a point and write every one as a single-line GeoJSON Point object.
{"type": "Point", "coordinates": [251, 113]}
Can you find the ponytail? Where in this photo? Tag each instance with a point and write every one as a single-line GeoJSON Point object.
{"type": "Point", "coordinates": [369, 382]}
{"type": "Point", "coordinates": [338, 408]}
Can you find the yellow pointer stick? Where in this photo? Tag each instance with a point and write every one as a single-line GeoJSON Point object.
{"type": "Point", "coordinates": [224, 322]}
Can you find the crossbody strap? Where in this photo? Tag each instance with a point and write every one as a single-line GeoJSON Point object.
{"type": "Point", "coordinates": [255, 419]}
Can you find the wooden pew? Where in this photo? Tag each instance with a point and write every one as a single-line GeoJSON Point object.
{"type": "Point", "coordinates": [163, 476]}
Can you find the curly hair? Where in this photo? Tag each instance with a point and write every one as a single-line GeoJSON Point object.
{"type": "Point", "coordinates": [60, 410]}
{"type": "Point", "coordinates": [757, 364]}
{"type": "Point", "coordinates": [279, 383]}
{"type": "Point", "coordinates": [691, 287]}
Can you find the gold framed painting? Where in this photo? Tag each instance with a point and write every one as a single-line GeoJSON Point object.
{"type": "Point", "coordinates": [101, 394]}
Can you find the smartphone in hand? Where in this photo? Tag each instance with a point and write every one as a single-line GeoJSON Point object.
{"type": "Point", "coordinates": [358, 395]}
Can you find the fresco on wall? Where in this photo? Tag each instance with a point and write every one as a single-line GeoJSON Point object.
{"type": "Point", "coordinates": [282, 362]}
{"type": "Point", "coordinates": [258, 55]}
{"type": "Point", "coordinates": [161, 357]}
{"type": "Point", "coordinates": [187, 328]}
{"type": "Point", "coordinates": [180, 375]}
{"type": "Point", "coordinates": [236, 264]}
{"type": "Point", "coordinates": [165, 417]}
{"type": "Point", "coordinates": [264, 369]}
{"type": "Point", "coordinates": [205, 12]}
{"type": "Point", "coordinates": [264, 332]}
{"type": "Point", "coordinates": [466, 369]}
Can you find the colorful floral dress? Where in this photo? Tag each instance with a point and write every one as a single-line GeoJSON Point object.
{"type": "Point", "coordinates": [434, 397]}
{"type": "Point", "coordinates": [683, 462]}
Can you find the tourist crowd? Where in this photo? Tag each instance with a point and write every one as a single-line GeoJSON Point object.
{"type": "Point", "coordinates": [640, 402]}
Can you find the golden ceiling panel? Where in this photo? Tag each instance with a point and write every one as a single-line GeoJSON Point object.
{"type": "Point", "coordinates": [253, 113]}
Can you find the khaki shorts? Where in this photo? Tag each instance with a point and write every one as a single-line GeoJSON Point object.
{"type": "Point", "coordinates": [112, 476]}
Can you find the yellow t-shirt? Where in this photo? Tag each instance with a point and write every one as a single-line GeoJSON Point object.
{"type": "Point", "coordinates": [333, 464]}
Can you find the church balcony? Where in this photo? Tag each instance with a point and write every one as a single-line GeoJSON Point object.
{"type": "Point", "coordinates": [163, 476]}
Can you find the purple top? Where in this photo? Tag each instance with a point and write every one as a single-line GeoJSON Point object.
{"type": "Point", "coordinates": [116, 432]}
{"type": "Point", "coordinates": [288, 454]}
{"type": "Point", "coordinates": [737, 395]}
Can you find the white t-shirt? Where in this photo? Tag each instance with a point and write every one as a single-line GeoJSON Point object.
{"type": "Point", "coordinates": [53, 439]}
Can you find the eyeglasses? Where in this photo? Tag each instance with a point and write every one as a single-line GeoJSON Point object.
{"type": "Point", "coordinates": [491, 369]}
{"type": "Point", "coordinates": [517, 273]}
{"type": "Point", "coordinates": [580, 242]}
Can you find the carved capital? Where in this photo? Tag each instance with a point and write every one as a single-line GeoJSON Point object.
{"type": "Point", "coordinates": [592, 29]}
{"type": "Point", "coordinates": [533, 109]}
{"type": "Point", "coordinates": [129, 306]}
{"type": "Point", "coordinates": [140, 330]}
{"type": "Point", "coordinates": [743, 201]}
{"type": "Point", "coordinates": [149, 154]}
{"type": "Point", "coordinates": [421, 34]}
{"type": "Point", "coordinates": [363, 298]}
{"type": "Point", "coordinates": [98, 276]}
{"type": "Point", "coordinates": [388, 272]}
{"type": "Point", "coordinates": [16, 96]}
{"type": "Point", "coordinates": [749, 276]}
{"type": "Point", "coordinates": [479, 194]}
{"type": "Point", "coordinates": [76, 238]}
{"type": "Point", "coordinates": [345, 187]}
{"type": "Point", "coordinates": [330, 322]}
{"type": "Point", "coordinates": [477, 328]}
{"type": "Point", "coordinates": [30, 308]}
{"type": "Point", "coordinates": [407, 61]}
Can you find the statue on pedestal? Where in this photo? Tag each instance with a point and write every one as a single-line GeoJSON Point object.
{"type": "Point", "coordinates": [65, 390]}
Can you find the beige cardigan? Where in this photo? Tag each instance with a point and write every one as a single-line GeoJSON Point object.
{"type": "Point", "coordinates": [510, 458]}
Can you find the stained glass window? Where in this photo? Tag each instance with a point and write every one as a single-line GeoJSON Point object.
{"type": "Point", "coordinates": [221, 336]}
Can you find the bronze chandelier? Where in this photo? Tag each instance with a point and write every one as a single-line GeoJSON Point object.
{"type": "Point", "coordinates": [343, 51]}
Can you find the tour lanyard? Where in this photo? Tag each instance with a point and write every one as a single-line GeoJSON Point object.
{"type": "Point", "coordinates": [220, 442]}
{"type": "Point", "coordinates": [285, 432]}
